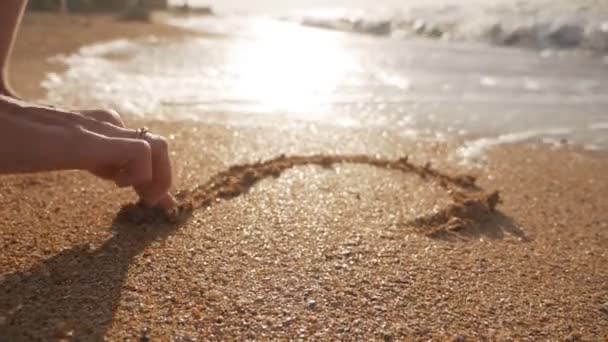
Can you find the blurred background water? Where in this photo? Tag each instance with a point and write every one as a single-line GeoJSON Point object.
{"type": "Point", "coordinates": [504, 73]}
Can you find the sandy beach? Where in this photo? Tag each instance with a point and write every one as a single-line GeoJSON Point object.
{"type": "Point", "coordinates": [348, 245]}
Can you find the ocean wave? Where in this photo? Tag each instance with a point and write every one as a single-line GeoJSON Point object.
{"type": "Point", "coordinates": [543, 31]}
{"type": "Point", "coordinates": [273, 72]}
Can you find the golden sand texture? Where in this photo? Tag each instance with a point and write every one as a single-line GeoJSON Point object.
{"type": "Point", "coordinates": [239, 179]}
{"type": "Point", "coordinates": [323, 253]}
{"type": "Point", "coordinates": [470, 208]}
{"type": "Point", "coordinates": [317, 252]}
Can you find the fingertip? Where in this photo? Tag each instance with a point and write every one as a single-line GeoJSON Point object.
{"type": "Point", "coordinates": [167, 202]}
{"type": "Point", "coordinates": [152, 199]}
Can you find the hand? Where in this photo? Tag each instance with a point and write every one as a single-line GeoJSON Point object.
{"type": "Point", "coordinates": [148, 169]}
{"type": "Point", "coordinates": [36, 138]}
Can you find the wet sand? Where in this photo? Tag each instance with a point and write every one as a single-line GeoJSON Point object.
{"type": "Point", "coordinates": [44, 35]}
{"type": "Point", "coordinates": [342, 245]}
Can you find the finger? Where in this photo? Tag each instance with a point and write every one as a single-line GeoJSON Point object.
{"type": "Point", "coordinates": [104, 115]}
{"type": "Point", "coordinates": [105, 122]}
{"type": "Point", "coordinates": [153, 192]}
{"type": "Point", "coordinates": [99, 121]}
{"type": "Point", "coordinates": [110, 171]}
{"type": "Point", "coordinates": [132, 157]}
{"type": "Point", "coordinates": [117, 172]}
{"type": "Point", "coordinates": [167, 202]}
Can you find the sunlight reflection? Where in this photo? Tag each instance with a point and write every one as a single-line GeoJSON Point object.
{"type": "Point", "coordinates": [290, 69]}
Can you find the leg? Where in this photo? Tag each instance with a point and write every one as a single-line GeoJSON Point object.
{"type": "Point", "coordinates": [11, 12]}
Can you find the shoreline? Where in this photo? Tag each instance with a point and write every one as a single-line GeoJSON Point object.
{"type": "Point", "coordinates": [319, 252]}
{"type": "Point", "coordinates": [42, 37]}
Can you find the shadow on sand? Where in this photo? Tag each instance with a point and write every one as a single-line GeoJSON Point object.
{"type": "Point", "coordinates": [75, 293]}
{"type": "Point", "coordinates": [494, 226]}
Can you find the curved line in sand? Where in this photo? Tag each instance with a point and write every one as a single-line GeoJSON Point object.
{"type": "Point", "coordinates": [471, 205]}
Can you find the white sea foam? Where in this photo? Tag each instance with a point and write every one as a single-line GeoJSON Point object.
{"type": "Point", "coordinates": [94, 79]}
{"type": "Point", "coordinates": [117, 46]}
{"type": "Point", "coordinates": [547, 27]}
{"type": "Point", "coordinates": [488, 81]}
{"type": "Point", "coordinates": [596, 126]}
{"type": "Point", "coordinates": [474, 151]}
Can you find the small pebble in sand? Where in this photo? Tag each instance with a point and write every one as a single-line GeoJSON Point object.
{"type": "Point", "coordinates": [214, 295]}
{"type": "Point", "coordinates": [604, 308]}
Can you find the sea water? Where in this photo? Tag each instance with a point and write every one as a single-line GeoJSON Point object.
{"type": "Point", "coordinates": [322, 65]}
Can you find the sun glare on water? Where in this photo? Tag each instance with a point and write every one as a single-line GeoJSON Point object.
{"type": "Point", "coordinates": [289, 69]}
